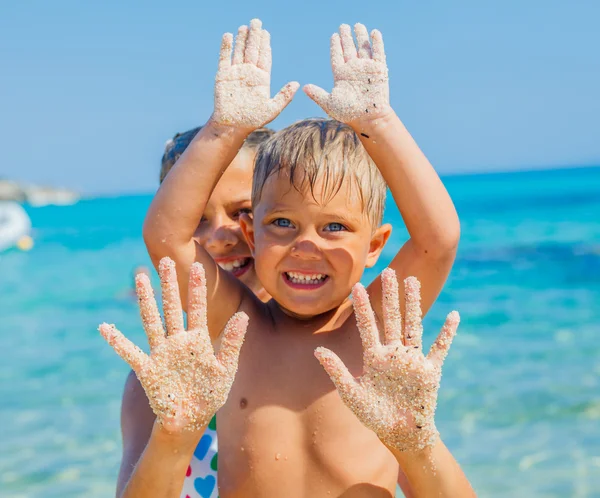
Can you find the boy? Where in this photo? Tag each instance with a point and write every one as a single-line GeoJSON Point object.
{"type": "Point", "coordinates": [219, 233]}
{"type": "Point", "coordinates": [218, 230]}
{"type": "Point", "coordinates": [317, 207]}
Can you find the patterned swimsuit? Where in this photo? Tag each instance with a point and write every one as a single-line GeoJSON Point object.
{"type": "Point", "coordinates": [201, 476]}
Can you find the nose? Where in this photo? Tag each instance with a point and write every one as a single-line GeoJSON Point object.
{"type": "Point", "coordinates": [306, 248]}
{"type": "Point", "coordinates": [222, 236]}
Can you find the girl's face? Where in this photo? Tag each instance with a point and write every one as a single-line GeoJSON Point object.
{"type": "Point", "coordinates": [219, 230]}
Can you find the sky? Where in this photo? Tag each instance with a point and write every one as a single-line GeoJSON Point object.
{"type": "Point", "coordinates": [91, 91]}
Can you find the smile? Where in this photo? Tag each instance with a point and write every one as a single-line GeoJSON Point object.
{"type": "Point", "coordinates": [304, 280]}
{"type": "Point", "coordinates": [237, 267]}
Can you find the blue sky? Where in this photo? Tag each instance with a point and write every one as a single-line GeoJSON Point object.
{"type": "Point", "coordinates": [90, 91]}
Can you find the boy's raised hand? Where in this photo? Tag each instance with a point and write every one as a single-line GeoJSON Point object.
{"type": "Point", "coordinates": [396, 395]}
{"type": "Point", "coordinates": [184, 381]}
{"type": "Point", "coordinates": [360, 77]}
{"type": "Point", "coordinates": [243, 82]}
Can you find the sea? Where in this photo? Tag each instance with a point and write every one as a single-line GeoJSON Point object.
{"type": "Point", "coordinates": [519, 405]}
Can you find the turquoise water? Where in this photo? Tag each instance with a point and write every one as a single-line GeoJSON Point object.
{"type": "Point", "coordinates": [520, 399]}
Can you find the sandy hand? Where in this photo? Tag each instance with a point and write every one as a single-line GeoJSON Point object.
{"type": "Point", "coordinates": [184, 381]}
{"type": "Point", "coordinates": [396, 395]}
{"type": "Point", "coordinates": [243, 83]}
{"type": "Point", "coordinates": [360, 77]}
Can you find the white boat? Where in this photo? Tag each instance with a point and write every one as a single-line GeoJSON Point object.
{"type": "Point", "coordinates": [15, 226]}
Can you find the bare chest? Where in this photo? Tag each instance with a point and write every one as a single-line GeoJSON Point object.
{"type": "Point", "coordinates": [285, 421]}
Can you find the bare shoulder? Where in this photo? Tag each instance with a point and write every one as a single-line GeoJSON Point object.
{"type": "Point", "coordinates": [137, 419]}
{"type": "Point", "coordinates": [258, 312]}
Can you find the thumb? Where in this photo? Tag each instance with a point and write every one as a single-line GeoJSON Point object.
{"type": "Point", "coordinates": [439, 349]}
{"type": "Point", "coordinates": [284, 97]}
{"type": "Point", "coordinates": [345, 383]}
{"type": "Point", "coordinates": [126, 349]}
{"type": "Point", "coordinates": [233, 338]}
{"type": "Point", "coordinates": [320, 96]}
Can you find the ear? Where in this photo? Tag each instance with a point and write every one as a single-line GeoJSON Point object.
{"type": "Point", "coordinates": [378, 241]}
{"type": "Point", "coordinates": [247, 226]}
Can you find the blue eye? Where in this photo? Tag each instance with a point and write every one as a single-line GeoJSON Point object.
{"type": "Point", "coordinates": [335, 227]}
{"type": "Point", "coordinates": [282, 222]}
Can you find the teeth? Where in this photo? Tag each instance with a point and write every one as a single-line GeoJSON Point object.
{"type": "Point", "coordinates": [231, 265]}
{"type": "Point", "coordinates": [302, 278]}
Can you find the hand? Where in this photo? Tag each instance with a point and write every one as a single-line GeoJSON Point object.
{"type": "Point", "coordinates": [397, 393]}
{"type": "Point", "coordinates": [184, 381]}
{"type": "Point", "coordinates": [243, 85]}
{"type": "Point", "coordinates": [360, 77]}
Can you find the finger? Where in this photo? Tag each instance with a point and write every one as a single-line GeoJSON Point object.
{"type": "Point", "coordinates": [346, 385]}
{"type": "Point", "coordinates": [377, 46]}
{"type": "Point", "coordinates": [441, 346]}
{"type": "Point", "coordinates": [283, 98]}
{"type": "Point", "coordinates": [197, 298]}
{"type": "Point", "coordinates": [233, 338]}
{"type": "Point", "coordinates": [320, 96]}
{"type": "Point", "coordinates": [126, 349]}
{"type": "Point", "coordinates": [392, 318]}
{"type": "Point", "coordinates": [253, 42]}
{"type": "Point", "coordinates": [365, 318]}
{"type": "Point", "coordinates": [413, 328]}
{"type": "Point", "coordinates": [240, 45]}
{"type": "Point", "coordinates": [225, 54]}
{"type": "Point", "coordinates": [197, 307]}
{"type": "Point", "coordinates": [149, 311]}
{"type": "Point", "coordinates": [171, 299]}
{"type": "Point", "coordinates": [347, 42]}
{"type": "Point", "coordinates": [337, 53]}
{"type": "Point", "coordinates": [362, 41]}
{"type": "Point", "coordinates": [264, 56]}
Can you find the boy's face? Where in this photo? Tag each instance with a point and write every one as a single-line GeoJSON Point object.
{"type": "Point", "coordinates": [219, 230]}
{"type": "Point", "coordinates": [309, 253]}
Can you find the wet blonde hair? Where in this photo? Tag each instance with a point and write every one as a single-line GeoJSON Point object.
{"type": "Point", "coordinates": [321, 149]}
{"type": "Point", "coordinates": [177, 145]}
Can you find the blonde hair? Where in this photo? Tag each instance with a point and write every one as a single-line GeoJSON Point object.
{"type": "Point", "coordinates": [321, 149]}
{"type": "Point", "coordinates": [177, 145]}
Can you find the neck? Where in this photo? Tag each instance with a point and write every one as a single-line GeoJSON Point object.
{"type": "Point", "coordinates": [321, 323]}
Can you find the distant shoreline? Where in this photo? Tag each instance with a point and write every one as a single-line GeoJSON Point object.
{"type": "Point", "coordinates": [36, 195]}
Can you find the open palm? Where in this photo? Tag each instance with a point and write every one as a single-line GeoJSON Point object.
{"type": "Point", "coordinates": [243, 83]}
{"type": "Point", "coordinates": [396, 395]}
{"type": "Point", "coordinates": [183, 379]}
{"type": "Point", "coordinates": [360, 76]}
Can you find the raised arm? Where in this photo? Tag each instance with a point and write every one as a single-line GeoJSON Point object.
{"type": "Point", "coordinates": [148, 451]}
{"type": "Point", "coordinates": [185, 383]}
{"type": "Point", "coordinates": [396, 396]}
{"type": "Point", "coordinates": [360, 98]}
{"type": "Point", "coordinates": [242, 104]}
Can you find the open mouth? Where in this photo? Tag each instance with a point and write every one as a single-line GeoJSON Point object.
{"type": "Point", "coordinates": [237, 267]}
{"type": "Point", "coordinates": [305, 280]}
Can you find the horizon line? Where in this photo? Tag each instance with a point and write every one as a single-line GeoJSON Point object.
{"type": "Point", "coordinates": [451, 174]}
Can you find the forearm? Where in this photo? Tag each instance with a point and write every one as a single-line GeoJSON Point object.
{"type": "Point", "coordinates": [434, 472]}
{"type": "Point", "coordinates": [162, 467]}
{"type": "Point", "coordinates": [405, 485]}
{"type": "Point", "coordinates": [179, 204]}
{"type": "Point", "coordinates": [422, 199]}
